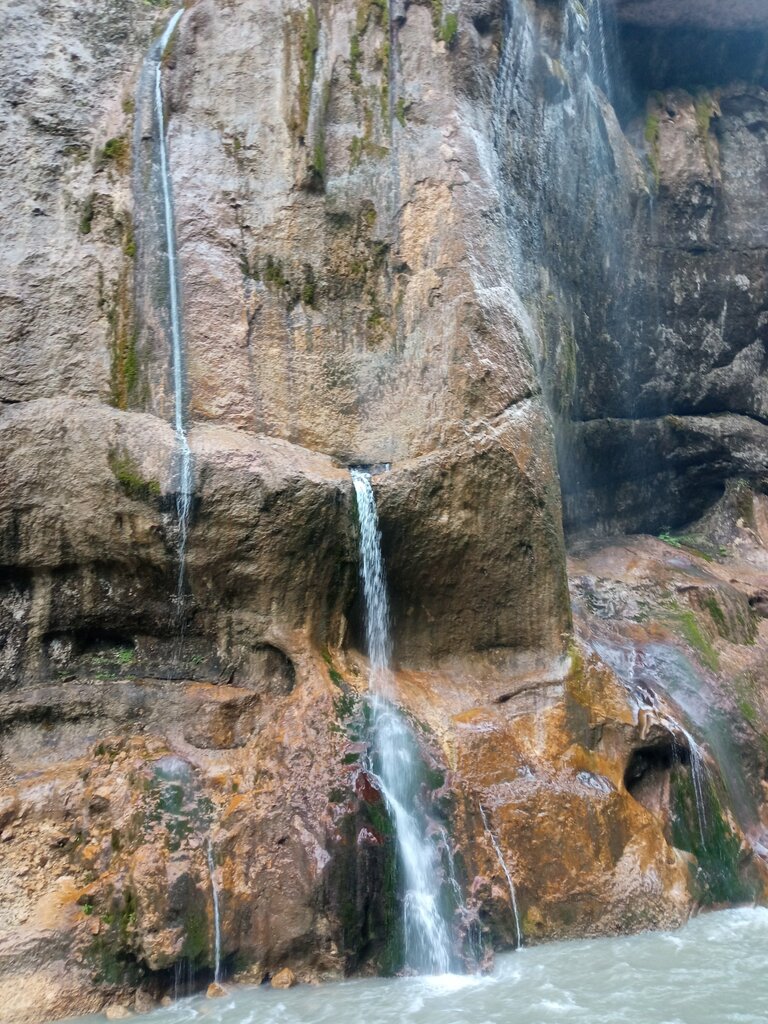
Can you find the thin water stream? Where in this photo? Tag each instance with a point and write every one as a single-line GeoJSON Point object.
{"type": "Point", "coordinates": [712, 971]}
{"type": "Point", "coordinates": [158, 291]}
{"type": "Point", "coordinates": [624, 662]}
{"type": "Point", "coordinates": [507, 874]}
{"type": "Point", "coordinates": [184, 485]}
{"type": "Point", "coordinates": [216, 914]}
{"type": "Point", "coordinates": [396, 762]}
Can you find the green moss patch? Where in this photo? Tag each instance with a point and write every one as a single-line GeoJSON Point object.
{"type": "Point", "coordinates": [723, 875]}
{"type": "Point", "coordinates": [87, 213]}
{"type": "Point", "coordinates": [115, 153]}
{"type": "Point", "coordinates": [129, 477]}
{"type": "Point", "coordinates": [310, 40]}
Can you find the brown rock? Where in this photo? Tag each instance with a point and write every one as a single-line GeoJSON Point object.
{"type": "Point", "coordinates": [144, 1002]}
{"type": "Point", "coordinates": [215, 991]}
{"type": "Point", "coordinates": [117, 1012]}
{"type": "Point", "coordinates": [356, 290]}
{"type": "Point", "coordinates": [283, 979]}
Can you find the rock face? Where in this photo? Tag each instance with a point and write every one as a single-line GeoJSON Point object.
{"type": "Point", "coordinates": [684, 617]}
{"type": "Point", "coordinates": [66, 87]}
{"type": "Point", "coordinates": [421, 239]}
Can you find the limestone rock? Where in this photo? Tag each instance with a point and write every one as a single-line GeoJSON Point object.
{"type": "Point", "coordinates": [215, 991]}
{"type": "Point", "coordinates": [408, 262]}
{"type": "Point", "coordinates": [66, 210]}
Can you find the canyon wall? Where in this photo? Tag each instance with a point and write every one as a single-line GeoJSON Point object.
{"type": "Point", "coordinates": [457, 240]}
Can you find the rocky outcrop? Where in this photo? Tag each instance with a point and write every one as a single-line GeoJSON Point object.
{"type": "Point", "coordinates": [683, 617]}
{"type": "Point", "coordinates": [66, 88]}
{"type": "Point", "coordinates": [692, 44]}
{"type": "Point", "coordinates": [655, 474]}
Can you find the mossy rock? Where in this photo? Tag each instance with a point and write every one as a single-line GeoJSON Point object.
{"type": "Point", "coordinates": [129, 477]}
{"type": "Point", "coordinates": [724, 875]}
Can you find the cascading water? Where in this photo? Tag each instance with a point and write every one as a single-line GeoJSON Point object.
{"type": "Point", "coordinates": [507, 875]}
{"type": "Point", "coordinates": [396, 762]}
{"type": "Point", "coordinates": [697, 763]}
{"type": "Point", "coordinates": [216, 914]}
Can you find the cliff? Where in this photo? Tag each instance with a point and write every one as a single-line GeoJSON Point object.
{"type": "Point", "coordinates": [464, 241]}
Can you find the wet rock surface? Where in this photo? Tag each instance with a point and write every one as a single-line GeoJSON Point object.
{"type": "Point", "coordinates": [435, 247]}
{"type": "Point", "coordinates": [680, 618]}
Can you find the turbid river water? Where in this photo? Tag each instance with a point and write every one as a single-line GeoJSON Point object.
{"type": "Point", "coordinates": [713, 971]}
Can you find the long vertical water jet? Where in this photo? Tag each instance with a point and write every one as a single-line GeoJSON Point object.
{"type": "Point", "coordinates": [427, 941]}
{"type": "Point", "coordinates": [183, 454]}
{"type": "Point", "coordinates": [507, 874]}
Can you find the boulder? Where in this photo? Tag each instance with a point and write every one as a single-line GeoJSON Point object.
{"type": "Point", "coordinates": [284, 978]}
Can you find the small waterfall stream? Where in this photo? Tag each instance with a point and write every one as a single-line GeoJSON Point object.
{"type": "Point", "coordinates": [698, 777]}
{"type": "Point", "coordinates": [427, 939]}
{"type": "Point", "coordinates": [216, 913]}
{"type": "Point", "coordinates": [697, 763]}
{"type": "Point", "coordinates": [183, 453]}
{"type": "Point", "coordinates": [507, 874]}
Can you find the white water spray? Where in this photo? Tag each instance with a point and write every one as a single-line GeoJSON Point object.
{"type": "Point", "coordinates": [427, 941]}
{"type": "Point", "coordinates": [507, 875]}
{"type": "Point", "coordinates": [184, 485]}
{"type": "Point", "coordinates": [216, 914]}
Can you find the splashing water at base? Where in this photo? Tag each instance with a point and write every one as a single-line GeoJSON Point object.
{"type": "Point", "coordinates": [712, 971]}
{"type": "Point", "coordinates": [396, 764]}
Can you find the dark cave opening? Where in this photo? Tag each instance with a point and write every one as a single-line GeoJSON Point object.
{"type": "Point", "coordinates": [648, 771]}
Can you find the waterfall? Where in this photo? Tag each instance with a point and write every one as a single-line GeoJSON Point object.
{"type": "Point", "coordinates": [602, 52]}
{"type": "Point", "coordinates": [427, 941]}
{"type": "Point", "coordinates": [507, 875]}
{"type": "Point", "coordinates": [183, 454]}
{"type": "Point", "coordinates": [698, 775]}
{"type": "Point", "coordinates": [216, 914]}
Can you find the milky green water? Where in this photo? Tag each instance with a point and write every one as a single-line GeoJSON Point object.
{"type": "Point", "coordinates": [713, 971]}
